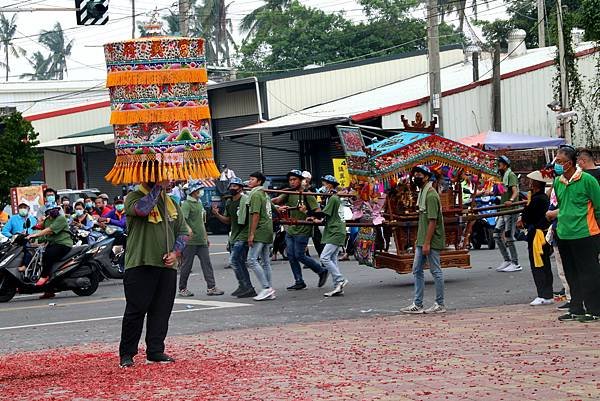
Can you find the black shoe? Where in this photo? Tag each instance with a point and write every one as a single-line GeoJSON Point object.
{"type": "Point", "coordinates": [297, 286]}
{"type": "Point", "coordinates": [323, 278]}
{"type": "Point", "coordinates": [248, 293]}
{"type": "Point", "coordinates": [564, 306]}
{"type": "Point", "coordinates": [126, 361]}
{"type": "Point", "coordinates": [588, 319]}
{"type": "Point", "coordinates": [567, 317]}
{"type": "Point", "coordinates": [159, 358]}
{"type": "Point", "coordinates": [237, 292]}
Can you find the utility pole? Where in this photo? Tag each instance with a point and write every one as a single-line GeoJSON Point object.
{"type": "Point", "coordinates": [132, 19]}
{"type": "Point", "coordinates": [541, 19]}
{"type": "Point", "coordinates": [565, 124]}
{"type": "Point", "coordinates": [184, 18]}
{"type": "Point", "coordinates": [496, 97]}
{"type": "Point", "coordinates": [433, 52]}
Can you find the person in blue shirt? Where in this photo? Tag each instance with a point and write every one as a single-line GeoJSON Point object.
{"type": "Point", "coordinates": [16, 224]}
{"type": "Point", "coordinates": [116, 217]}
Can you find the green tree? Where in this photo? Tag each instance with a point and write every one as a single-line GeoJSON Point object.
{"type": "Point", "coordinates": [297, 36]}
{"type": "Point", "coordinates": [251, 23]}
{"type": "Point", "coordinates": [213, 24]}
{"type": "Point", "coordinates": [40, 65]}
{"type": "Point", "coordinates": [60, 48]}
{"type": "Point", "coordinates": [8, 29]}
{"type": "Point", "coordinates": [19, 159]}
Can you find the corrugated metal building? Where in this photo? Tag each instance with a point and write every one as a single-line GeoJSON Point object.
{"type": "Point", "coordinates": [526, 87]}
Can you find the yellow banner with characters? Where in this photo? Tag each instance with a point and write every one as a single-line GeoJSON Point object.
{"type": "Point", "coordinates": [340, 171]}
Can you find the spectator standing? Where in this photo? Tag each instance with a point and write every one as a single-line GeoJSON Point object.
{"type": "Point", "coordinates": [238, 237]}
{"type": "Point", "coordinates": [431, 240]}
{"type": "Point", "coordinates": [297, 236]}
{"type": "Point", "coordinates": [585, 160]}
{"type": "Point", "coordinates": [578, 195]}
{"type": "Point", "coordinates": [195, 216]}
{"type": "Point", "coordinates": [507, 225]}
{"type": "Point", "coordinates": [258, 211]}
{"type": "Point", "coordinates": [534, 220]}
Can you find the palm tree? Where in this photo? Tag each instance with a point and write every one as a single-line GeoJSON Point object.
{"type": "Point", "coordinates": [459, 6]}
{"type": "Point", "coordinates": [7, 33]}
{"type": "Point", "coordinates": [56, 42]}
{"type": "Point", "coordinates": [212, 23]}
{"type": "Point", "coordinates": [40, 65]}
{"type": "Point", "coordinates": [250, 24]}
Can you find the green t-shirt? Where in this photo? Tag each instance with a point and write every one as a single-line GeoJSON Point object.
{"type": "Point", "coordinates": [146, 241]}
{"type": "Point", "coordinates": [60, 231]}
{"type": "Point", "coordinates": [239, 232]}
{"type": "Point", "coordinates": [513, 181]}
{"type": "Point", "coordinates": [579, 207]}
{"type": "Point", "coordinates": [260, 203]}
{"type": "Point", "coordinates": [335, 225]}
{"type": "Point", "coordinates": [292, 201]}
{"type": "Point", "coordinates": [433, 210]}
{"type": "Point", "coordinates": [194, 215]}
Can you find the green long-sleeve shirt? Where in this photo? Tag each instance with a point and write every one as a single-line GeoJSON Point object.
{"type": "Point", "coordinates": [148, 242]}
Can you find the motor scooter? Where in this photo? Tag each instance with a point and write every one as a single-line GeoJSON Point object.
{"type": "Point", "coordinates": [483, 228]}
{"type": "Point", "coordinates": [76, 271]}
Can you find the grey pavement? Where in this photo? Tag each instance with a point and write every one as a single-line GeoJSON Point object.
{"type": "Point", "coordinates": [28, 323]}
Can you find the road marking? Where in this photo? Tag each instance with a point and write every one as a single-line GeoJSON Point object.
{"type": "Point", "coordinates": [220, 253]}
{"type": "Point", "coordinates": [59, 304]}
{"type": "Point", "coordinates": [215, 305]}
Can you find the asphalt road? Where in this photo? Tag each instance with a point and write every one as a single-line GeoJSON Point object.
{"type": "Point", "coordinates": [28, 323]}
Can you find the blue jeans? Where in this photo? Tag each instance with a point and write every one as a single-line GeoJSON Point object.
{"type": "Point", "coordinates": [239, 253]}
{"type": "Point", "coordinates": [262, 270]}
{"type": "Point", "coordinates": [296, 252]}
{"type": "Point", "coordinates": [433, 259]}
{"type": "Point", "coordinates": [329, 259]}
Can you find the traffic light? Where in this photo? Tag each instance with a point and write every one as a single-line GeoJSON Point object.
{"type": "Point", "coordinates": [91, 12]}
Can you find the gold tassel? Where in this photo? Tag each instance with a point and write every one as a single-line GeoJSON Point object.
{"type": "Point", "coordinates": [118, 117]}
{"type": "Point", "coordinates": [160, 77]}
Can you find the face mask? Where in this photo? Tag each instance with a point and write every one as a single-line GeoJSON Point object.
{"type": "Point", "coordinates": [89, 205]}
{"type": "Point", "coordinates": [79, 212]}
{"type": "Point", "coordinates": [119, 207]}
{"type": "Point", "coordinates": [234, 191]}
{"type": "Point", "coordinates": [66, 203]}
{"type": "Point", "coordinates": [23, 212]}
{"type": "Point", "coordinates": [418, 181]}
{"type": "Point", "coordinates": [54, 213]}
{"type": "Point", "coordinates": [559, 169]}
{"type": "Point", "coordinates": [50, 198]}
{"type": "Point", "coordinates": [200, 193]}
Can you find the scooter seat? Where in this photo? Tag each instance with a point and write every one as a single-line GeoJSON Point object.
{"type": "Point", "coordinates": [74, 251]}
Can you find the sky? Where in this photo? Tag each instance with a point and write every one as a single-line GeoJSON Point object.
{"type": "Point", "coordinates": [87, 59]}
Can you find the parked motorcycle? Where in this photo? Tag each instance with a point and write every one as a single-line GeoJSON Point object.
{"type": "Point", "coordinates": [110, 260]}
{"type": "Point", "coordinates": [483, 229]}
{"type": "Point", "coordinates": [77, 271]}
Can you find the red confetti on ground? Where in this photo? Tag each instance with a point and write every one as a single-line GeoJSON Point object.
{"type": "Point", "coordinates": [459, 356]}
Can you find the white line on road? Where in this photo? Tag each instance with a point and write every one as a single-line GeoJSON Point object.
{"type": "Point", "coordinates": [211, 305]}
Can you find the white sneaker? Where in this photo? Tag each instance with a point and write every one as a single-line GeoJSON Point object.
{"type": "Point", "coordinates": [435, 308]}
{"type": "Point", "coordinates": [541, 301]}
{"type": "Point", "coordinates": [503, 266]}
{"type": "Point", "coordinates": [265, 293]}
{"type": "Point", "coordinates": [413, 309]}
{"type": "Point", "coordinates": [537, 301]}
{"type": "Point", "coordinates": [513, 268]}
